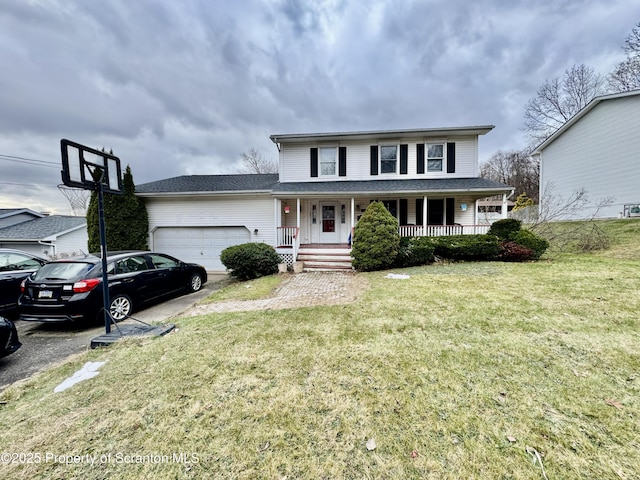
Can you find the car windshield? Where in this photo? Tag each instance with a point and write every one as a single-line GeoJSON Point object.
{"type": "Point", "coordinates": [62, 271]}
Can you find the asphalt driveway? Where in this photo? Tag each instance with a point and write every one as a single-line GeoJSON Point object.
{"type": "Point", "coordinates": [46, 344]}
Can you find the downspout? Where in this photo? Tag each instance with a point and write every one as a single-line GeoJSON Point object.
{"type": "Point", "coordinates": [52, 245]}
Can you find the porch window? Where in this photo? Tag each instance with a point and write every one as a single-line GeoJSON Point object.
{"type": "Point", "coordinates": [388, 158]}
{"type": "Point", "coordinates": [328, 157]}
{"type": "Point", "coordinates": [435, 157]}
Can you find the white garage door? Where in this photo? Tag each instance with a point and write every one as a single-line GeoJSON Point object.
{"type": "Point", "coordinates": [200, 245]}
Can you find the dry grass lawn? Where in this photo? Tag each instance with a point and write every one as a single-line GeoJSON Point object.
{"type": "Point", "coordinates": [469, 370]}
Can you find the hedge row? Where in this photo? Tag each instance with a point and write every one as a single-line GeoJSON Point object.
{"type": "Point", "coordinates": [506, 241]}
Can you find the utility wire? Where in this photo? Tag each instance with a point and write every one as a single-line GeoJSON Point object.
{"type": "Point", "coordinates": [29, 161]}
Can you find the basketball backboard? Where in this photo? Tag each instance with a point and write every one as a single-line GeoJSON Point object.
{"type": "Point", "coordinates": [84, 167]}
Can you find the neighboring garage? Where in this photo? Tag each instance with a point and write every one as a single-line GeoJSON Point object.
{"type": "Point", "coordinates": [201, 245]}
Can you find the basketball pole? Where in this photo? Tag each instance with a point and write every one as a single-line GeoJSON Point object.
{"type": "Point", "coordinates": [103, 255]}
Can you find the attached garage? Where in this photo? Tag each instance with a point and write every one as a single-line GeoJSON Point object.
{"type": "Point", "coordinates": [201, 245]}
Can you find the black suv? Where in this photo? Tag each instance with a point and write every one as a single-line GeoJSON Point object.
{"type": "Point", "coordinates": [72, 289]}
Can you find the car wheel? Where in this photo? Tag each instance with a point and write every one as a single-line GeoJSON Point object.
{"type": "Point", "coordinates": [195, 283]}
{"type": "Point", "coordinates": [120, 307]}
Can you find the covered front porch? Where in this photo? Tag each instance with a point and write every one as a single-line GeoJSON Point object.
{"type": "Point", "coordinates": [330, 221]}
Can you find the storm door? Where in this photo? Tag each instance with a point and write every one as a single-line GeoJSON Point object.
{"type": "Point", "coordinates": [329, 226]}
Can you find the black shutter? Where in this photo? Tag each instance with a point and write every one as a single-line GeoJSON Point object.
{"type": "Point", "coordinates": [314, 162]}
{"type": "Point", "coordinates": [420, 157]}
{"type": "Point", "coordinates": [404, 207]}
{"type": "Point", "coordinates": [419, 210]}
{"type": "Point", "coordinates": [374, 160]}
{"type": "Point", "coordinates": [404, 158]}
{"type": "Point", "coordinates": [342, 161]}
{"type": "Point", "coordinates": [451, 211]}
{"type": "Point", "coordinates": [451, 158]}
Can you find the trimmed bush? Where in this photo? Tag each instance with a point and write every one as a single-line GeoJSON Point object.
{"type": "Point", "coordinates": [415, 251]}
{"type": "Point", "coordinates": [375, 240]}
{"type": "Point", "coordinates": [530, 240]}
{"type": "Point", "coordinates": [503, 229]}
{"type": "Point", "coordinates": [467, 247]}
{"type": "Point", "coordinates": [250, 260]}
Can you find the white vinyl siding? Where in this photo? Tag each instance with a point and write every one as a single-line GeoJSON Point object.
{"type": "Point", "coordinates": [599, 153]}
{"type": "Point", "coordinates": [72, 243]}
{"type": "Point", "coordinates": [250, 212]}
{"type": "Point", "coordinates": [295, 160]}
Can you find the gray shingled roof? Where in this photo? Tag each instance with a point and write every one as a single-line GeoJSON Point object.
{"type": "Point", "coordinates": [269, 183]}
{"type": "Point", "coordinates": [40, 228]}
{"type": "Point", "coordinates": [211, 183]}
{"type": "Point", "coordinates": [396, 186]}
{"type": "Point", "coordinates": [7, 212]}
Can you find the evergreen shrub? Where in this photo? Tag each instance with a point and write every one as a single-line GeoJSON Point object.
{"type": "Point", "coordinates": [530, 240]}
{"type": "Point", "coordinates": [250, 260]}
{"type": "Point", "coordinates": [504, 228]}
{"type": "Point", "coordinates": [415, 251]}
{"type": "Point", "coordinates": [375, 240]}
{"type": "Point", "coordinates": [467, 247]}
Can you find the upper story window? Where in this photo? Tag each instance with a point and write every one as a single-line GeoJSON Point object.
{"type": "Point", "coordinates": [435, 157]}
{"type": "Point", "coordinates": [388, 158]}
{"type": "Point", "coordinates": [327, 157]}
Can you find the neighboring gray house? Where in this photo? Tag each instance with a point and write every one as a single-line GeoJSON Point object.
{"type": "Point", "coordinates": [11, 216]}
{"type": "Point", "coordinates": [427, 178]}
{"type": "Point", "coordinates": [597, 150]}
{"type": "Point", "coordinates": [54, 236]}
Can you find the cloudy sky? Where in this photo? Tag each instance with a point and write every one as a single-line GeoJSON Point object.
{"type": "Point", "coordinates": [183, 87]}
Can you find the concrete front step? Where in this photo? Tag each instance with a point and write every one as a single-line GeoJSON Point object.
{"type": "Point", "coordinates": [325, 259]}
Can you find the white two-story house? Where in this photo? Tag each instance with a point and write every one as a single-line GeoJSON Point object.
{"type": "Point", "coordinates": [427, 178]}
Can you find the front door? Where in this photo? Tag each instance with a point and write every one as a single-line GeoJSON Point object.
{"type": "Point", "coordinates": [329, 226]}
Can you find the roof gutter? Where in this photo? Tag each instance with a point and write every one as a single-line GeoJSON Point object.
{"type": "Point", "coordinates": [52, 245]}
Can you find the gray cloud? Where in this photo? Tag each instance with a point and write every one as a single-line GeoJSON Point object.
{"type": "Point", "coordinates": [184, 87]}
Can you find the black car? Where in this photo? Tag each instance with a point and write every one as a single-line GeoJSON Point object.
{"type": "Point", "coordinates": [15, 266]}
{"type": "Point", "coordinates": [9, 342]}
{"type": "Point", "coordinates": [68, 290]}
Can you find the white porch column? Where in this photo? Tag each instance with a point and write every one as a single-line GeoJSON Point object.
{"type": "Point", "coordinates": [277, 210]}
{"type": "Point", "coordinates": [298, 213]}
{"type": "Point", "coordinates": [504, 205]}
{"type": "Point", "coordinates": [424, 216]}
{"type": "Point", "coordinates": [353, 212]}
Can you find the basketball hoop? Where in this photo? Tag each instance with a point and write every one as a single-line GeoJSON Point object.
{"type": "Point", "coordinates": [77, 198]}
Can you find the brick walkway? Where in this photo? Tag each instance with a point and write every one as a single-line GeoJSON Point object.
{"type": "Point", "coordinates": [299, 290]}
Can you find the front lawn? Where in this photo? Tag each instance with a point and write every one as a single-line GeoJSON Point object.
{"type": "Point", "coordinates": [469, 370]}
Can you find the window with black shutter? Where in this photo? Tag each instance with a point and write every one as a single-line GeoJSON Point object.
{"type": "Point", "coordinates": [342, 161]}
{"type": "Point", "coordinates": [374, 160]}
{"type": "Point", "coordinates": [420, 157]}
{"type": "Point", "coordinates": [451, 158]}
{"type": "Point", "coordinates": [314, 162]}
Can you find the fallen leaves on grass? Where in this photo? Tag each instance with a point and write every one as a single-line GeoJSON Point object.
{"type": "Point", "coordinates": [613, 403]}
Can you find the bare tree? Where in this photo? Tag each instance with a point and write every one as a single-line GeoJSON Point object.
{"type": "Point", "coordinates": [626, 75]}
{"type": "Point", "coordinates": [557, 100]}
{"type": "Point", "coordinates": [516, 168]}
{"type": "Point", "coordinates": [255, 162]}
{"type": "Point", "coordinates": [549, 220]}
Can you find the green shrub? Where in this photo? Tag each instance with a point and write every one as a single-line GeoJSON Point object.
{"type": "Point", "coordinates": [503, 229]}
{"type": "Point", "coordinates": [250, 260]}
{"type": "Point", "coordinates": [415, 251]}
{"type": "Point", "coordinates": [375, 240]}
{"type": "Point", "coordinates": [467, 247]}
{"type": "Point", "coordinates": [530, 240]}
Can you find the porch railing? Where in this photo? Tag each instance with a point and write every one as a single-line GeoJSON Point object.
{"type": "Point", "coordinates": [441, 230]}
{"type": "Point", "coordinates": [286, 236]}
{"type": "Point", "coordinates": [289, 237]}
